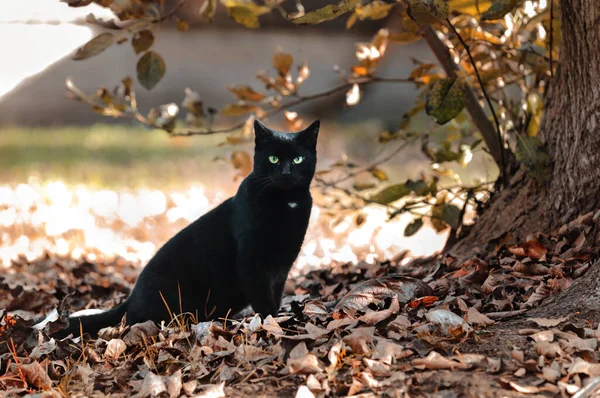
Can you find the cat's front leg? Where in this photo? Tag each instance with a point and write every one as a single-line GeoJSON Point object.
{"type": "Point", "coordinates": [257, 286]}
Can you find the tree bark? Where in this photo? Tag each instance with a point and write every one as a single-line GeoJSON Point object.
{"type": "Point", "coordinates": [571, 131]}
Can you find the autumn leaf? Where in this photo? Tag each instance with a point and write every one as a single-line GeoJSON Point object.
{"type": "Point", "coordinates": [374, 10]}
{"type": "Point", "coordinates": [499, 9]}
{"type": "Point", "coordinates": [282, 62]}
{"type": "Point", "coordinates": [238, 109]}
{"type": "Point", "coordinates": [471, 7]}
{"type": "Point", "coordinates": [531, 248]}
{"type": "Point", "coordinates": [379, 174]}
{"type": "Point", "coordinates": [377, 289]}
{"type": "Point", "coordinates": [94, 46]}
{"type": "Point", "coordinates": [427, 11]}
{"type": "Point", "coordinates": [182, 26]}
{"type": "Point", "coordinates": [245, 12]}
{"type": "Point", "coordinates": [404, 37]}
{"type": "Point", "coordinates": [150, 69]}
{"type": "Point", "coordinates": [142, 40]}
{"type": "Point", "coordinates": [245, 93]}
{"type": "Point", "coordinates": [327, 13]}
{"type": "Point", "coordinates": [208, 9]}
{"type": "Point", "coordinates": [446, 98]}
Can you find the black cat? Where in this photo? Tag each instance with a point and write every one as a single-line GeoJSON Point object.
{"type": "Point", "coordinates": [237, 254]}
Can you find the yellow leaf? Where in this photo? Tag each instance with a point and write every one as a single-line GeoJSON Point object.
{"type": "Point", "coordinates": [470, 7]}
{"type": "Point", "coordinates": [282, 62]}
{"type": "Point", "coordinates": [404, 37]}
{"type": "Point", "coordinates": [326, 13]}
{"type": "Point", "coordinates": [182, 25]}
{"type": "Point", "coordinates": [245, 12]}
{"type": "Point", "coordinates": [379, 174]}
{"type": "Point", "coordinates": [208, 9]}
{"type": "Point", "coordinates": [375, 10]}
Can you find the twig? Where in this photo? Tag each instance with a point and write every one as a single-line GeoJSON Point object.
{"type": "Point", "coordinates": [551, 38]}
{"type": "Point", "coordinates": [374, 164]}
{"type": "Point", "coordinates": [170, 13]}
{"type": "Point", "coordinates": [299, 100]}
{"type": "Point", "coordinates": [489, 102]}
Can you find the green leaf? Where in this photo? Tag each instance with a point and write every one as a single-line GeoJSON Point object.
{"type": "Point", "coordinates": [326, 13]}
{"type": "Point", "coordinates": [142, 40]}
{"type": "Point", "coordinates": [419, 187]}
{"type": "Point", "coordinates": [390, 194]}
{"type": "Point", "coordinates": [499, 9]}
{"type": "Point", "coordinates": [451, 215]}
{"type": "Point", "coordinates": [446, 154]}
{"type": "Point", "coordinates": [427, 11]}
{"type": "Point", "coordinates": [446, 98]}
{"type": "Point", "coordinates": [413, 227]}
{"type": "Point", "coordinates": [94, 46]}
{"type": "Point", "coordinates": [150, 69]}
{"type": "Point", "coordinates": [534, 158]}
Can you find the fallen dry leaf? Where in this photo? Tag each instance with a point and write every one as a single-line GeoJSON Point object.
{"type": "Point", "coordinates": [475, 317]}
{"type": "Point", "coordinates": [548, 323]}
{"type": "Point", "coordinates": [36, 375]}
{"type": "Point", "coordinates": [378, 289]}
{"type": "Point", "coordinates": [437, 361]}
{"type": "Point", "coordinates": [114, 349]}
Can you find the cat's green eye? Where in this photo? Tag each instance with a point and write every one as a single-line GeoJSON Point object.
{"type": "Point", "coordinates": [298, 159]}
{"type": "Point", "coordinates": [273, 159]}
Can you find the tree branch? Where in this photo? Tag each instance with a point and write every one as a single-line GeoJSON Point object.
{"type": "Point", "coordinates": [488, 132]}
{"type": "Point", "coordinates": [489, 102]}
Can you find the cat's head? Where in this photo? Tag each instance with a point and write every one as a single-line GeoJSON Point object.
{"type": "Point", "coordinates": [286, 160]}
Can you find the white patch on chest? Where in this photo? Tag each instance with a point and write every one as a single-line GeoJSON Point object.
{"type": "Point", "coordinates": [292, 205]}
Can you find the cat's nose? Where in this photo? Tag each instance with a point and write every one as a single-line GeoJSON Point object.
{"type": "Point", "coordinates": [286, 171]}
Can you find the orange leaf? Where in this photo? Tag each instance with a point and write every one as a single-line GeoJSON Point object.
{"type": "Point", "coordinates": [425, 301]}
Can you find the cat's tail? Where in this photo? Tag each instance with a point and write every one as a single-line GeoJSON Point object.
{"type": "Point", "coordinates": [91, 324]}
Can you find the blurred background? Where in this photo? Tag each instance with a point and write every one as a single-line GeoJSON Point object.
{"type": "Point", "coordinates": [75, 183]}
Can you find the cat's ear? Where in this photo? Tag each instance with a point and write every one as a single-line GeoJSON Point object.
{"type": "Point", "coordinates": [261, 132]}
{"type": "Point", "coordinates": [308, 136]}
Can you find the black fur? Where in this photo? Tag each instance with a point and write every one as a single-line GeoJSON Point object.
{"type": "Point", "coordinates": [237, 254]}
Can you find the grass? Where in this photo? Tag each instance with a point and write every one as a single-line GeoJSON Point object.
{"type": "Point", "coordinates": [117, 156]}
{"type": "Point", "coordinates": [107, 156]}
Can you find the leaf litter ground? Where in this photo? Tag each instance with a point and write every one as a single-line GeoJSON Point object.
{"type": "Point", "coordinates": [442, 326]}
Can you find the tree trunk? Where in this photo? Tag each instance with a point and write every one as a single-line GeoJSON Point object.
{"type": "Point", "coordinates": [571, 131]}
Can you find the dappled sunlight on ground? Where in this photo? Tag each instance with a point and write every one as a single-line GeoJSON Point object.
{"type": "Point", "coordinates": [37, 219]}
